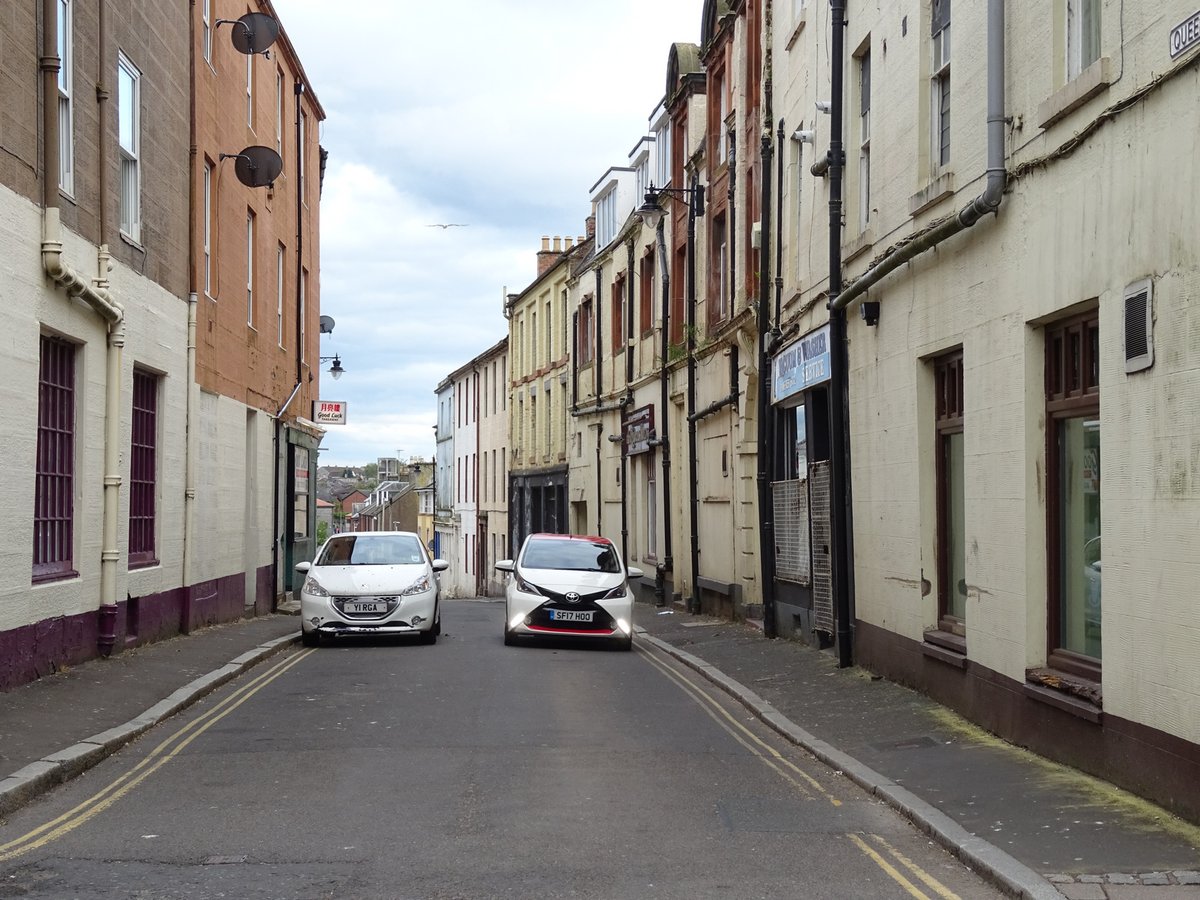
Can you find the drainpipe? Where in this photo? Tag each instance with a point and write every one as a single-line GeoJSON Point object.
{"type": "Point", "coordinates": [694, 514]}
{"type": "Point", "coordinates": [628, 401]}
{"type": "Point", "coordinates": [766, 445]}
{"type": "Point", "coordinates": [598, 369]}
{"type": "Point", "coordinates": [95, 292]}
{"type": "Point", "coordinates": [189, 463]}
{"type": "Point", "coordinates": [997, 176]}
{"type": "Point", "coordinates": [599, 479]}
{"type": "Point", "coordinates": [575, 362]}
{"type": "Point", "coordinates": [838, 382]}
{"type": "Point", "coordinates": [664, 401]}
{"type": "Point", "coordinates": [775, 334]}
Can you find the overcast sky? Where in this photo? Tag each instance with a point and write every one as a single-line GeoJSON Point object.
{"type": "Point", "coordinates": [498, 115]}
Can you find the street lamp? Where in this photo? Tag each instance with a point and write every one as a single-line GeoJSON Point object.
{"type": "Point", "coordinates": [336, 369]}
{"type": "Point", "coordinates": [651, 210]}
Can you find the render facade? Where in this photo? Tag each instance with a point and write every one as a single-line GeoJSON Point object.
{"type": "Point", "coordinates": [492, 366]}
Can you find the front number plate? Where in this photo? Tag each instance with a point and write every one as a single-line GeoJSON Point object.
{"type": "Point", "coordinates": [571, 615]}
{"type": "Point", "coordinates": [366, 607]}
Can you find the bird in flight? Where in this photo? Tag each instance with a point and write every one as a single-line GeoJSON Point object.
{"type": "Point", "coordinates": [448, 225]}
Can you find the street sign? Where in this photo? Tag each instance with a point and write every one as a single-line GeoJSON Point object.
{"type": "Point", "coordinates": [801, 365]}
{"type": "Point", "coordinates": [1185, 35]}
{"type": "Point", "coordinates": [329, 412]}
{"type": "Point", "coordinates": [639, 426]}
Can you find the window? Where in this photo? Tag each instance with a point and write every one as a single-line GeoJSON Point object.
{"type": "Point", "coordinates": [533, 427]}
{"type": "Point", "coordinates": [1073, 494]}
{"type": "Point", "coordinates": [646, 291]}
{"type": "Point", "coordinates": [864, 138]}
{"type": "Point", "coordinates": [548, 412]}
{"type": "Point", "coordinates": [303, 311]}
{"type": "Point", "coordinates": [206, 26]}
{"type": "Point", "coordinates": [533, 341]}
{"type": "Point", "coordinates": [54, 491]}
{"type": "Point", "coordinates": [651, 508]}
{"type": "Point", "coordinates": [208, 229]}
{"type": "Point", "coordinates": [951, 505]}
{"type": "Point", "coordinates": [301, 150]}
{"type": "Point", "coordinates": [586, 333]}
{"type": "Point", "coordinates": [143, 469]}
{"type": "Point", "coordinates": [250, 89]}
{"type": "Point", "coordinates": [606, 218]}
{"type": "Point", "coordinates": [250, 268]}
{"type": "Point", "coordinates": [279, 112]}
{"type": "Point", "coordinates": [66, 135]}
{"type": "Point", "coordinates": [662, 155]}
{"type": "Point", "coordinates": [548, 319]}
{"type": "Point", "coordinates": [677, 304]}
{"type": "Point", "coordinates": [719, 309]}
{"type": "Point", "coordinates": [618, 314]}
{"type": "Point", "coordinates": [279, 257]}
{"type": "Point", "coordinates": [129, 132]}
{"type": "Point", "coordinates": [1083, 35]}
{"type": "Point", "coordinates": [940, 83]}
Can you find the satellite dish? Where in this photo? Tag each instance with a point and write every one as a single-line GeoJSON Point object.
{"type": "Point", "coordinates": [327, 324]}
{"type": "Point", "coordinates": [257, 166]}
{"type": "Point", "coordinates": [254, 33]}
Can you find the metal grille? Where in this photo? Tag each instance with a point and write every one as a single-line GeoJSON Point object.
{"type": "Point", "coordinates": [143, 476]}
{"type": "Point", "coordinates": [793, 561]}
{"type": "Point", "coordinates": [822, 538]}
{"type": "Point", "coordinates": [54, 496]}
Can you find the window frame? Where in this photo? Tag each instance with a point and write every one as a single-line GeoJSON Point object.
{"type": "Point", "coordinates": [864, 139]}
{"type": "Point", "coordinates": [206, 43]}
{"type": "Point", "coordinates": [280, 272]}
{"type": "Point", "coordinates": [143, 470]}
{"type": "Point", "coordinates": [208, 222]}
{"type": "Point", "coordinates": [646, 293]}
{"type": "Point", "coordinates": [949, 418]}
{"type": "Point", "coordinates": [1069, 395]}
{"type": "Point", "coordinates": [939, 78]}
{"type": "Point", "coordinates": [1084, 20]}
{"type": "Point", "coordinates": [586, 349]}
{"type": "Point", "coordinates": [131, 193]}
{"type": "Point", "coordinates": [66, 107]}
{"type": "Point", "coordinates": [53, 557]}
{"type": "Point", "coordinates": [618, 313]}
{"type": "Point", "coordinates": [250, 244]}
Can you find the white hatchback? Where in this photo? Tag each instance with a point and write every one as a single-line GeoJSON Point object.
{"type": "Point", "coordinates": [569, 585]}
{"type": "Point", "coordinates": [370, 583]}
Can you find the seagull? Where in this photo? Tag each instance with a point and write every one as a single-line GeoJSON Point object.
{"type": "Point", "coordinates": [448, 225]}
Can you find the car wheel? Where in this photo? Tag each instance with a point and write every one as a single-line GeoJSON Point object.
{"type": "Point", "coordinates": [626, 643]}
{"type": "Point", "coordinates": [430, 636]}
{"type": "Point", "coordinates": [510, 639]}
{"type": "Point", "coordinates": [310, 638]}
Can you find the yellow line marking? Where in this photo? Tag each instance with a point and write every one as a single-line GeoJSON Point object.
{"type": "Point", "coordinates": [122, 785]}
{"type": "Point", "coordinates": [887, 867]}
{"type": "Point", "coordinates": [776, 756]}
{"type": "Point", "coordinates": [940, 889]}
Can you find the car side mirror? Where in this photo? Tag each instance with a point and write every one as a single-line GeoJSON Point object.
{"type": "Point", "coordinates": [504, 565]}
{"type": "Point", "coordinates": [303, 567]}
{"type": "Point", "coordinates": [634, 572]}
{"type": "Point", "coordinates": [440, 565]}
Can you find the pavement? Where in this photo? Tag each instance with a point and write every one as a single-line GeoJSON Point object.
{"type": "Point", "coordinates": [1033, 827]}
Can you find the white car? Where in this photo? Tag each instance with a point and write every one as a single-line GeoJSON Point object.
{"type": "Point", "coordinates": [569, 585]}
{"type": "Point", "coordinates": [370, 583]}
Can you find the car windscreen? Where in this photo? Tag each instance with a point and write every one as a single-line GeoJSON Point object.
{"type": "Point", "coordinates": [372, 550]}
{"type": "Point", "coordinates": [559, 553]}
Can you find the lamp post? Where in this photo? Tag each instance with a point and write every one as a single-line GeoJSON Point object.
{"type": "Point", "coordinates": [336, 369]}
{"type": "Point", "coordinates": [652, 213]}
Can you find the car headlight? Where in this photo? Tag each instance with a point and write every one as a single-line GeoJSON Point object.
{"type": "Point", "coordinates": [419, 586]}
{"type": "Point", "coordinates": [313, 587]}
{"type": "Point", "coordinates": [617, 593]}
{"type": "Point", "coordinates": [523, 585]}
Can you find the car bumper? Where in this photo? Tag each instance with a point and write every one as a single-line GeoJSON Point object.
{"type": "Point", "coordinates": [526, 615]}
{"type": "Point", "coordinates": [413, 614]}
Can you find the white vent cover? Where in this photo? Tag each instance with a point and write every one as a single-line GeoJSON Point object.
{"type": "Point", "coordinates": [1139, 326]}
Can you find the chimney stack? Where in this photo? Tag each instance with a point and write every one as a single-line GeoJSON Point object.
{"type": "Point", "coordinates": [590, 227]}
{"type": "Point", "coordinates": [546, 257]}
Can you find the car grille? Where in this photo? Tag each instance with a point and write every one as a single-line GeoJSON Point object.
{"type": "Point", "coordinates": [601, 620]}
{"type": "Point", "coordinates": [339, 603]}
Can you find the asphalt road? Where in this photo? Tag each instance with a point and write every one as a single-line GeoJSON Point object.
{"type": "Point", "coordinates": [468, 770]}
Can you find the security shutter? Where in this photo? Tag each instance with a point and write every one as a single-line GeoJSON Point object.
{"type": "Point", "coordinates": [1139, 326]}
{"type": "Point", "coordinates": [792, 558]}
{"type": "Point", "coordinates": [822, 539]}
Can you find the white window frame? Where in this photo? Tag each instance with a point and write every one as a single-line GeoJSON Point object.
{"type": "Point", "coordinates": [939, 88]}
{"type": "Point", "coordinates": [864, 145]}
{"type": "Point", "coordinates": [250, 90]}
{"type": "Point", "coordinates": [279, 260]}
{"type": "Point", "coordinates": [301, 154]}
{"type": "Point", "coordinates": [662, 154]}
{"type": "Point", "coordinates": [208, 210]}
{"type": "Point", "coordinates": [206, 30]}
{"type": "Point", "coordinates": [131, 175]}
{"type": "Point", "coordinates": [250, 268]}
{"type": "Point", "coordinates": [66, 113]}
{"type": "Point", "coordinates": [303, 306]}
{"type": "Point", "coordinates": [279, 111]}
{"type": "Point", "coordinates": [1083, 26]}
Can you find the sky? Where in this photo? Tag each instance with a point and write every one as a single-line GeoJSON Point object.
{"type": "Point", "coordinates": [496, 116]}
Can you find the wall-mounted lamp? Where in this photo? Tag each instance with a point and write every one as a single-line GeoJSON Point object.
{"type": "Point", "coordinates": [336, 369]}
{"type": "Point", "coordinates": [824, 106]}
{"type": "Point", "coordinates": [804, 136]}
{"type": "Point", "coordinates": [870, 311]}
{"type": "Point", "coordinates": [651, 210]}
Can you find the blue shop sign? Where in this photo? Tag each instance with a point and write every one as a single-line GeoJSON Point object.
{"type": "Point", "coordinates": [801, 365]}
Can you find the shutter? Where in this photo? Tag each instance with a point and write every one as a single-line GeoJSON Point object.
{"type": "Point", "coordinates": [1139, 326]}
{"type": "Point", "coordinates": [822, 540]}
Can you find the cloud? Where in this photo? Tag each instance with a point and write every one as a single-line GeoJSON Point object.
{"type": "Point", "coordinates": [498, 115]}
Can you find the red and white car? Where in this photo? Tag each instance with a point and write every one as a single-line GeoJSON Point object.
{"type": "Point", "coordinates": [569, 585]}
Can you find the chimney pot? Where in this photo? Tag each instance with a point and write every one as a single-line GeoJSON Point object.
{"type": "Point", "coordinates": [557, 244]}
{"type": "Point", "coordinates": [545, 243]}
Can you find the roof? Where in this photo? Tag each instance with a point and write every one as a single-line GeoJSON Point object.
{"type": "Point", "coordinates": [590, 538]}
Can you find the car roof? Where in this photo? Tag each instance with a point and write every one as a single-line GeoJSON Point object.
{"type": "Point", "coordinates": [373, 533]}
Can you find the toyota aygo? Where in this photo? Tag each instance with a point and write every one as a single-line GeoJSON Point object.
{"type": "Point", "coordinates": [568, 585]}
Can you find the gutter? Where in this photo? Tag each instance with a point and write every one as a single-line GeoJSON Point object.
{"type": "Point", "coordinates": [997, 175]}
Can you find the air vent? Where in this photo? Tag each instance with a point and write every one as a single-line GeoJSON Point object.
{"type": "Point", "coordinates": [1139, 326]}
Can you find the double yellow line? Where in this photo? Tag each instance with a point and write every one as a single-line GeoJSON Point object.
{"type": "Point", "coordinates": [156, 759]}
{"type": "Point", "coordinates": [806, 784]}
